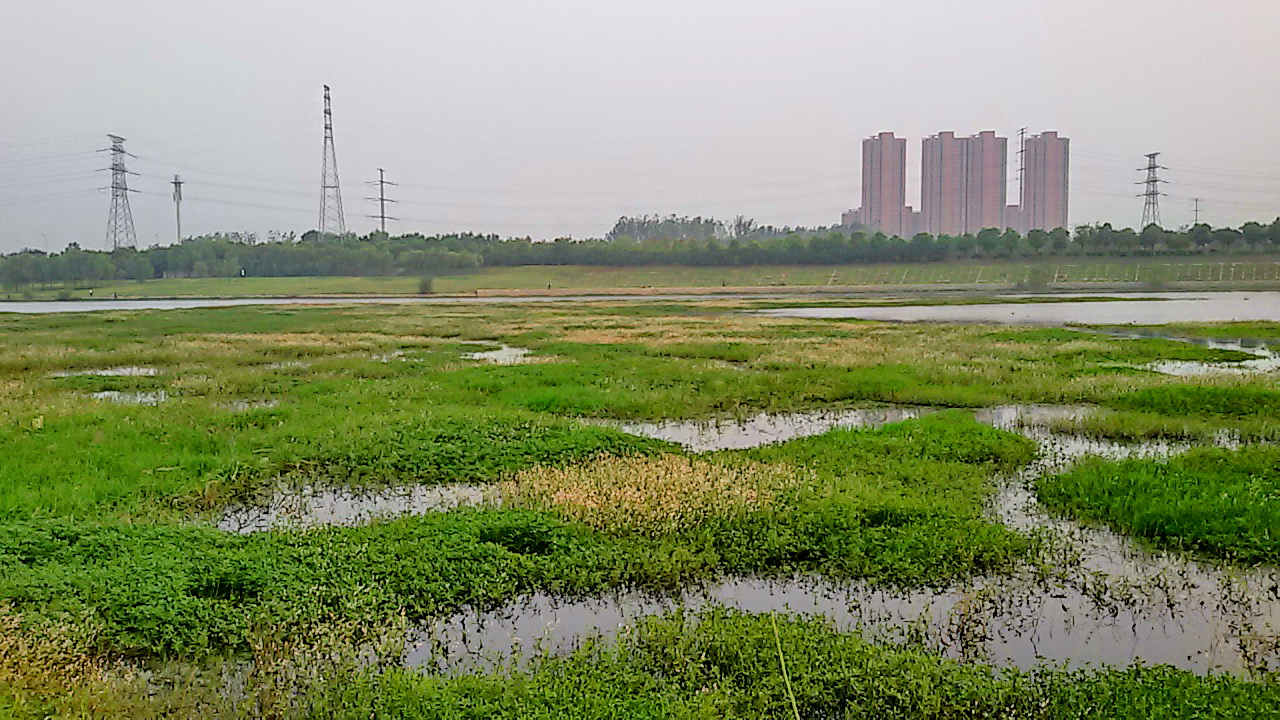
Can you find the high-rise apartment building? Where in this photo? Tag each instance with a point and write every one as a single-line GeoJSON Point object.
{"type": "Point", "coordinates": [942, 192]}
{"type": "Point", "coordinates": [963, 182]}
{"type": "Point", "coordinates": [985, 179]}
{"type": "Point", "coordinates": [963, 185]}
{"type": "Point", "coordinates": [884, 183]}
{"type": "Point", "coordinates": [1045, 183]}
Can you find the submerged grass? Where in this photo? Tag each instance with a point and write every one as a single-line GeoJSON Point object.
{"type": "Point", "coordinates": [1220, 502]}
{"type": "Point", "coordinates": [713, 664]}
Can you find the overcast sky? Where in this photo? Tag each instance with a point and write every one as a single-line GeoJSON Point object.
{"type": "Point", "coordinates": [555, 117]}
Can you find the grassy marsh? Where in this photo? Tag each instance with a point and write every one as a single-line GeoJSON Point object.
{"type": "Point", "coordinates": [1216, 501]}
{"type": "Point", "coordinates": [105, 508]}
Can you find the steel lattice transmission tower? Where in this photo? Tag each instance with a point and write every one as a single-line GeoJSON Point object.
{"type": "Point", "coordinates": [1151, 209]}
{"type": "Point", "coordinates": [331, 218]}
{"type": "Point", "coordinates": [120, 230]}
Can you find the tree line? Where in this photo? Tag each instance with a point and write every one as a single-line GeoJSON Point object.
{"type": "Point", "coordinates": [647, 240]}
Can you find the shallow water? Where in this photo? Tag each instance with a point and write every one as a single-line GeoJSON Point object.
{"type": "Point", "coordinates": [305, 507]}
{"type": "Point", "coordinates": [503, 355]}
{"type": "Point", "coordinates": [1170, 308]}
{"type": "Point", "coordinates": [247, 405]}
{"type": "Point", "coordinates": [1104, 600]}
{"type": "Point", "coordinates": [1264, 360]}
{"type": "Point", "coordinates": [153, 397]}
{"type": "Point", "coordinates": [125, 371]}
{"type": "Point", "coordinates": [765, 428]}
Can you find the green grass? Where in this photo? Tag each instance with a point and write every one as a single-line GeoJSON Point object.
{"type": "Point", "coordinates": [379, 395]}
{"type": "Point", "coordinates": [1253, 271]}
{"type": "Point", "coordinates": [1220, 502]}
{"type": "Point", "coordinates": [724, 664]}
{"type": "Point", "coordinates": [901, 505]}
{"type": "Point", "coordinates": [1236, 401]}
{"type": "Point", "coordinates": [1267, 332]}
{"type": "Point", "coordinates": [713, 664]}
{"type": "Point", "coordinates": [105, 508]}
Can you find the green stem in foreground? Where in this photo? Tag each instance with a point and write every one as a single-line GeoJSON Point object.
{"type": "Point", "coordinates": [777, 639]}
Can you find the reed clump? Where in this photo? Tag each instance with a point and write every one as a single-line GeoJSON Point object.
{"type": "Point", "coordinates": [651, 496]}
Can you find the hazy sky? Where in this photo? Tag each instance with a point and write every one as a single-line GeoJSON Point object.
{"type": "Point", "coordinates": [555, 117]}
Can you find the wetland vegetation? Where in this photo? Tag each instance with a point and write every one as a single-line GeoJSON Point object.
{"type": "Point", "coordinates": [120, 595]}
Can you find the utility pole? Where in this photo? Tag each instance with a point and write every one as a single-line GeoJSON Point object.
{"type": "Point", "coordinates": [120, 230]}
{"type": "Point", "coordinates": [331, 219]}
{"type": "Point", "coordinates": [1197, 211]}
{"type": "Point", "coordinates": [1151, 209]}
{"type": "Point", "coordinates": [1022, 174]}
{"type": "Point", "coordinates": [382, 199]}
{"type": "Point", "coordinates": [177, 203]}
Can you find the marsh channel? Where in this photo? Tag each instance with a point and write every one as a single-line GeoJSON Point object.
{"type": "Point", "coordinates": [1097, 598]}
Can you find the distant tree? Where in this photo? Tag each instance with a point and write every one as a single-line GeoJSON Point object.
{"type": "Point", "coordinates": [1037, 239]}
{"type": "Point", "coordinates": [1255, 235]}
{"type": "Point", "coordinates": [1226, 238]}
{"type": "Point", "coordinates": [1178, 242]}
{"type": "Point", "coordinates": [1151, 238]}
{"type": "Point", "coordinates": [1060, 239]}
{"type": "Point", "coordinates": [989, 241]}
{"type": "Point", "coordinates": [1126, 241]}
{"type": "Point", "coordinates": [1009, 242]}
{"type": "Point", "coordinates": [1201, 236]}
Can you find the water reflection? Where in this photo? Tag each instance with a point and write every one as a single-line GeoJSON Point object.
{"type": "Point", "coordinates": [309, 506]}
{"type": "Point", "coordinates": [1167, 308]}
{"type": "Point", "coordinates": [1100, 599]}
{"type": "Point", "coordinates": [125, 371]}
{"type": "Point", "coordinates": [154, 397]}
{"type": "Point", "coordinates": [503, 355]}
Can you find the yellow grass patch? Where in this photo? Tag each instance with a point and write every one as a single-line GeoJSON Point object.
{"type": "Point", "coordinates": [649, 495]}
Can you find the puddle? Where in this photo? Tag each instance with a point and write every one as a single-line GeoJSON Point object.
{"type": "Point", "coordinates": [247, 405]}
{"type": "Point", "coordinates": [767, 428]}
{"type": "Point", "coordinates": [154, 397]}
{"type": "Point", "coordinates": [307, 506]}
{"type": "Point", "coordinates": [504, 355]}
{"type": "Point", "coordinates": [1264, 361]}
{"type": "Point", "coordinates": [125, 371]}
{"type": "Point", "coordinates": [1104, 599]}
{"type": "Point", "coordinates": [286, 365]}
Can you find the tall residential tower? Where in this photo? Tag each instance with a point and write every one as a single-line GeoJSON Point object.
{"type": "Point", "coordinates": [962, 186]}
{"type": "Point", "coordinates": [1046, 182]}
{"type": "Point", "coordinates": [985, 176]}
{"type": "Point", "coordinates": [884, 183]}
{"type": "Point", "coordinates": [942, 191]}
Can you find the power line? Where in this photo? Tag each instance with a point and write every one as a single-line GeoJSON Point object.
{"type": "Point", "coordinates": [331, 220]}
{"type": "Point", "coordinates": [120, 230]}
{"type": "Point", "coordinates": [382, 200]}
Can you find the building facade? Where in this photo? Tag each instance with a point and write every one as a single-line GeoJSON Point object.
{"type": "Point", "coordinates": [884, 183]}
{"type": "Point", "coordinates": [962, 187]}
{"type": "Point", "coordinates": [986, 162]}
{"type": "Point", "coordinates": [942, 190]}
{"type": "Point", "coordinates": [1045, 183]}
